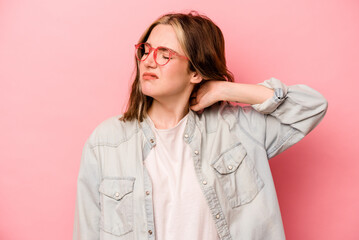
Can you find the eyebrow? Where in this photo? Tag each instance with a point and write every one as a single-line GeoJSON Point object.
{"type": "Point", "coordinates": [164, 46]}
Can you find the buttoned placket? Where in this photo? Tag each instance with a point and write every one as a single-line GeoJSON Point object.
{"type": "Point", "coordinates": [149, 144]}
{"type": "Point", "coordinates": [192, 136]}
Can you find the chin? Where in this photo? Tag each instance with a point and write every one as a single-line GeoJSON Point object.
{"type": "Point", "coordinates": [148, 89]}
{"type": "Point", "coordinates": [148, 93]}
{"type": "Point", "coordinates": [152, 95]}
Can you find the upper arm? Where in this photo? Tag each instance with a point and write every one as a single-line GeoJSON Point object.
{"type": "Point", "coordinates": [289, 115]}
{"type": "Point", "coordinates": [87, 210]}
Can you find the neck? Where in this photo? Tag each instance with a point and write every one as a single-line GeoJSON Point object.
{"type": "Point", "coordinates": [167, 115]}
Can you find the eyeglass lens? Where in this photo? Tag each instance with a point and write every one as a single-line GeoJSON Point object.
{"type": "Point", "coordinates": [163, 54]}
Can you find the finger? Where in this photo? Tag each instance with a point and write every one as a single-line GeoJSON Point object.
{"type": "Point", "coordinates": [196, 107]}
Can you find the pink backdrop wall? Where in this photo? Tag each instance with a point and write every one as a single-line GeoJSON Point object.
{"type": "Point", "coordinates": [65, 66]}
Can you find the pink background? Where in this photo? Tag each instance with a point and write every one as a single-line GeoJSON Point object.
{"type": "Point", "coordinates": [65, 66]}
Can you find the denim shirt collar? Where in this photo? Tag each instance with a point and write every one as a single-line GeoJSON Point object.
{"type": "Point", "coordinates": [150, 138]}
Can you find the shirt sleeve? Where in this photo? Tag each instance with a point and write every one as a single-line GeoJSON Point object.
{"type": "Point", "coordinates": [87, 210]}
{"type": "Point", "coordinates": [289, 115]}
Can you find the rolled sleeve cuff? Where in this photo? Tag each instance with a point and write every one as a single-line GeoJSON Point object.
{"type": "Point", "coordinates": [271, 104]}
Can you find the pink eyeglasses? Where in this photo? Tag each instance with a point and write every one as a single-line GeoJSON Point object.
{"type": "Point", "coordinates": [162, 55]}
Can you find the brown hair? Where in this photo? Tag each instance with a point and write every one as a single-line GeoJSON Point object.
{"type": "Point", "coordinates": [202, 42]}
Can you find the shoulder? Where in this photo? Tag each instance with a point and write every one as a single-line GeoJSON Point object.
{"type": "Point", "coordinates": [112, 132]}
{"type": "Point", "coordinates": [233, 113]}
{"type": "Point", "coordinates": [245, 118]}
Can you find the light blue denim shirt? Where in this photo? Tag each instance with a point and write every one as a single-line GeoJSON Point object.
{"type": "Point", "coordinates": [230, 146]}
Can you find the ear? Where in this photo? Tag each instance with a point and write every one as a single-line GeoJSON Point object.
{"type": "Point", "coordinates": [196, 78]}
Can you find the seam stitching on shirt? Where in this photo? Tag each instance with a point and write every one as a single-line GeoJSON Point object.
{"type": "Point", "coordinates": [250, 136]}
{"type": "Point", "coordinates": [290, 134]}
{"type": "Point", "coordinates": [107, 144]}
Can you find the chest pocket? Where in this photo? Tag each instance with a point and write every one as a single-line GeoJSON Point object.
{"type": "Point", "coordinates": [117, 210]}
{"type": "Point", "coordinates": [238, 176]}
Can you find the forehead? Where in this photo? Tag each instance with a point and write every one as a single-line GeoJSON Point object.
{"type": "Point", "coordinates": [164, 35]}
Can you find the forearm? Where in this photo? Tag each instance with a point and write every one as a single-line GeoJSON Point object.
{"type": "Point", "coordinates": [245, 93]}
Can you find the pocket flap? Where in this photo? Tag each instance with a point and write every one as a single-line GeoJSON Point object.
{"type": "Point", "coordinates": [229, 161]}
{"type": "Point", "coordinates": [116, 188]}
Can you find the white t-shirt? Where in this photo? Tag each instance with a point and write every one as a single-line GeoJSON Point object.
{"type": "Point", "coordinates": [180, 208]}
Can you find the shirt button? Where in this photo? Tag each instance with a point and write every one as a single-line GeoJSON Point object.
{"type": "Point", "coordinates": [217, 216]}
{"type": "Point", "coordinates": [230, 167]}
{"type": "Point", "coordinates": [186, 135]}
{"type": "Point", "coordinates": [196, 152]}
{"type": "Point", "coordinates": [117, 194]}
{"type": "Point", "coordinates": [152, 141]}
{"type": "Point", "coordinates": [204, 182]}
{"type": "Point", "coordinates": [147, 193]}
{"type": "Point", "coordinates": [150, 232]}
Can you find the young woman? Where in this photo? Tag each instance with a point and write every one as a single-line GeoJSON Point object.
{"type": "Point", "coordinates": [182, 162]}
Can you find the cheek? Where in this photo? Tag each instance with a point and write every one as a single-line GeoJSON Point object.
{"type": "Point", "coordinates": [175, 73]}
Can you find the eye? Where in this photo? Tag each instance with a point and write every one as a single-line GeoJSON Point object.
{"type": "Point", "coordinates": [146, 50]}
{"type": "Point", "coordinates": [164, 53]}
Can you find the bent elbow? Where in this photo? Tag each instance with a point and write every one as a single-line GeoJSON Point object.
{"type": "Point", "coordinates": [324, 106]}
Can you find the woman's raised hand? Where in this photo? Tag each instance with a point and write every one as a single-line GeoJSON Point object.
{"type": "Point", "coordinates": [209, 93]}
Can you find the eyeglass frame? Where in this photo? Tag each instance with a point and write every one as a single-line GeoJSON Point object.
{"type": "Point", "coordinates": [172, 52]}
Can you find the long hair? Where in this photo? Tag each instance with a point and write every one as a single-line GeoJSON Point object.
{"type": "Point", "coordinates": [202, 42]}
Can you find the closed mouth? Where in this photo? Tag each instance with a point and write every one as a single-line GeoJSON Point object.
{"type": "Point", "coordinates": [150, 74]}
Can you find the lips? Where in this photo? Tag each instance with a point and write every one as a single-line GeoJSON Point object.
{"type": "Point", "coordinates": [149, 75]}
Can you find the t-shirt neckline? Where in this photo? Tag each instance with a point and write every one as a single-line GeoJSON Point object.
{"type": "Point", "coordinates": [167, 129]}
